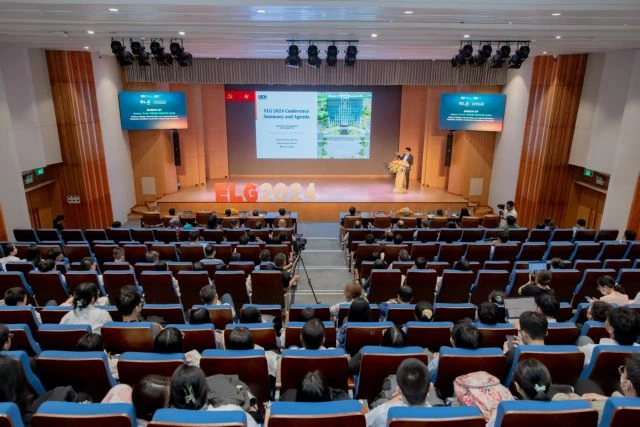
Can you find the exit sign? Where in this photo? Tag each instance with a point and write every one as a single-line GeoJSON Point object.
{"type": "Point", "coordinates": [588, 172]}
{"type": "Point", "coordinates": [40, 171]}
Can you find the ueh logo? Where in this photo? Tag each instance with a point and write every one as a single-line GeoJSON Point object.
{"type": "Point", "coordinates": [262, 96]}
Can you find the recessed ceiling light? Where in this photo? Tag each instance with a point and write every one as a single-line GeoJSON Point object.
{"type": "Point", "coordinates": [556, 14]}
{"type": "Point", "coordinates": [113, 9]}
{"type": "Point", "coordinates": [182, 33]}
{"type": "Point", "coordinates": [509, 22]}
{"type": "Point", "coordinates": [408, 12]}
{"type": "Point", "coordinates": [466, 36]}
{"type": "Point", "coordinates": [558, 37]}
{"type": "Point", "coordinates": [90, 31]}
{"type": "Point", "coordinates": [261, 11]}
{"type": "Point", "coordinates": [86, 47]}
{"type": "Point", "coordinates": [374, 35]}
{"type": "Point", "coordinates": [544, 53]}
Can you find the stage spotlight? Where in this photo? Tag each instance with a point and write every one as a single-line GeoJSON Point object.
{"type": "Point", "coordinates": [464, 54]}
{"type": "Point", "coordinates": [293, 57]}
{"type": "Point", "coordinates": [503, 53]}
{"type": "Point", "coordinates": [121, 54]}
{"type": "Point", "coordinates": [139, 51]}
{"type": "Point", "coordinates": [183, 58]}
{"type": "Point", "coordinates": [332, 55]}
{"type": "Point", "coordinates": [176, 48]}
{"type": "Point", "coordinates": [136, 48]}
{"type": "Point", "coordinates": [157, 50]}
{"type": "Point", "coordinates": [480, 58]}
{"type": "Point", "coordinates": [350, 56]}
{"type": "Point", "coordinates": [518, 58]}
{"type": "Point", "coordinates": [313, 56]}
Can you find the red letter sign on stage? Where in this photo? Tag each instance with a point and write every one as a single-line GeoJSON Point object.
{"type": "Point", "coordinates": [251, 192]}
{"type": "Point", "coordinates": [222, 192]}
{"type": "Point", "coordinates": [226, 192]}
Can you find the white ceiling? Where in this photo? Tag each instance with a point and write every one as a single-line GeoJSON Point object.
{"type": "Point", "coordinates": [235, 28]}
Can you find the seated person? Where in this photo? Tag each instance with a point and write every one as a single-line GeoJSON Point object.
{"type": "Point", "coordinates": [352, 212]}
{"type": "Point", "coordinates": [5, 338]}
{"type": "Point", "coordinates": [313, 388]}
{"type": "Point", "coordinates": [598, 311]}
{"type": "Point", "coordinates": [463, 335]}
{"type": "Point", "coordinates": [17, 296]}
{"type": "Point", "coordinates": [195, 239]}
{"type": "Point", "coordinates": [312, 335]}
{"type": "Point", "coordinates": [119, 255]}
{"type": "Point", "coordinates": [129, 304]}
{"type": "Point", "coordinates": [487, 314]}
{"type": "Point", "coordinates": [288, 280]}
{"type": "Point", "coordinates": [378, 264]}
{"type": "Point", "coordinates": [209, 296]}
{"type": "Point", "coordinates": [84, 310]}
{"type": "Point", "coordinates": [532, 380]}
{"type": "Point", "coordinates": [240, 338]}
{"type": "Point", "coordinates": [413, 387]}
{"type": "Point", "coordinates": [533, 328]}
{"type": "Point", "coordinates": [403, 256]}
{"type": "Point", "coordinates": [510, 223]}
{"type": "Point", "coordinates": [548, 305]}
{"type": "Point", "coordinates": [623, 326]}
{"type": "Point", "coordinates": [169, 341]}
{"type": "Point", "coordinates": [10, 251]}
{"type": "Point", "coordinates": [265, 261]}
{"type": "Point", "coordinates": [359, 311]}
{"type": "Point", "coordinates": [612, 292]}
{"type": "Point", "coordinates": [93, 342]}
{"type": "Point", "coordinates": [149, 395]}
{"type": "Point", "coordinates": [210, 256]}
{"type": "Point", "coordinates": [163, 266]}
{"type": "Point", "coordinates": [405, 296]}
{"type": "Point", "coordinates": [629, 381]}
{"type": "Point", "coordinates": [423, 311]}
{"type": "Point", "coordinates": [539, 284]}
{"type": "Point", "coordinates": [88, 264]}
{"type": "Point", "coordinates": [152, 257]}
{"type": "Point", "coordinates": [199, 316]}
{"type": "Point", "coordinates": [351, 290]}
{"type": "Point", "coordinates": [398, 239]}
{"type": "Point", "coordinates": [557, 264]}
{"type": "Point", "coordinates": [393, 337]}
{"type": "Point", "coordinates": [629, 236]}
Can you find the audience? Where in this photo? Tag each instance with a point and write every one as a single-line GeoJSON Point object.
{"type": "Point", "coordinates": [612, 292]}
{"type": "Point", "coordinates": [313, 388]}
{"type": "Point", "coordinates": [15, 388]}
{"type": "Point", "coordinates": [508, 211]}
{"type": "Point", "coordinates": [424, 311]}
{"type": "Point", "coordinates": [548, 305]}
{"type": "Point", "coordinates": [93, 342]}
{"type": "Point", "coordinates": [533, 328]}
{"type": "Point", "coordinates": [359, 311]}
{"type": "Point", "coordinates": [463, 335]}
{"type": "Point", "coordinates": [5, 338]}
{"type": "Point", "coordinates": [393, 337]}
{"type": "Point", "coordinates": [10, 251]}
{"type": "Point", "coordinates": [532, 380]}
{"type": "Point", "coordinates": [84, 310]}
{"type": "Point", "coordinates": [210, 256]}
{"type": "Point", "coordinates": [351, 290]}
{"type": "Point", "coordinates": [488, 314]}
{"type": "Point", "coordinates": [598, 311]}
{"type": "Point", "coordinates": [209, 296]}
{"type": "Point", "coordinates": [539, 284]}
{"type": "Point", "coordinates": [200, 316]}
{"type": "Point", "coordinates": [623, 326]}
{"type": "Point", "coordinates": [18, 297]}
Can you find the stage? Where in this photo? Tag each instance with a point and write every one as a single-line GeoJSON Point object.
{"type": "Point", "coordinates": [332, 196]}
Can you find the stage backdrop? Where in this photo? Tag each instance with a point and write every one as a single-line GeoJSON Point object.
{"type": "Point", "coordinates": [385, 132]}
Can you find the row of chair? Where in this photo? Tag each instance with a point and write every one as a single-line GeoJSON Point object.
{"type": "Point", "coordinates": [618, 412]}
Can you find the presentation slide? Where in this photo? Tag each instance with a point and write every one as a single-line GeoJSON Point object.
{"type": "Point", "coordinates": [313, 125]}
{"type": "Point", "coordinates": [472, 111]}
{"type": "Point", "coordinates": [153, 110]}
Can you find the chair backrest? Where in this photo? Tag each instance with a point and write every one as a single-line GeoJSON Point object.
{"type": "Point", "coordinates": [24, 267]}
{"type": "Point", "coordinates": [12, 279]}
{"type": "Point", "coordinates": [584, 235]}
{"type": "Point", "coordinates": [142, 235]}
{"type": "Point", "coordinates": [71, 414]}
{"type": "Point", "coordinates": [151, 219]}
{"type": "Point", "coordinates": [76, 278]}
{"type": "Point", "coordinates": [472, 234]}
{"type": "Point", "coordinates": [10, 415]}
{"type": "Point", "coordinates": [71, 235]}
{"type": "Point", "coordinates": [166, 251]}
{"type": "Point", "coordinates": [486, 282]}
{"type": "Point", "coordinates": [620, 412]}
{"type": "Point", "coordinates": [116, 280]}
{"type": "Point", "coordinates": [233, 283]}
{"type": "Point", "coordinates": [457, 361]}
{"type": "Point", "coordinates": [490, 221]}
{"type": "Point", "coordinates": [120, 337]}
{"type": "Point", "coordinates": [450, 252]}
{"type": "Point", "coordinates": [196, 337]}
{"type": "Point", "coordinates": [449, 235]}
{"type": "Point", "coordinates": [23, 339]}
{"type": "Point", "coordinates": [54, 313]}
{"type": "Point", "coordinates": [633, 253]}
{"type": "Point", "coordinates": [479, 252]}
{"type": "Point", "coordinates": [425, 250]}
{"type": "Point", "coordinates": [529, 413]}
{"type": "Point", "coordinates": [430, 335]}
{"type": "Point", "coordinates": [321, 311]}
{"type": "Point", "coordinates": [453, 312]}
{"type": "Point", "coordinates": [565, 362]}
{"type": "Point", "coordinates": [25, 235]}
{"type": "Point", "coordinates": [414, 416]}
{"type": "Point", "coordinates": [455, 286]}
{"type": "Point", "coordinates": [539, 235]}
{"type": "Point", "coordinates": [400, 314]}
{"type": "Point", "coordinates": [119, 234]}
{"type": "Point", "coordinates": [344, 413]}
{"type": "Point", "coordinates": [588, 287]}
{"type": "Point", "coordinates": [191, 253]}
{"type": "Point", "coordinates": [267, 287]}
{"type": "Point", "coordinates": [76, 252]}
{"type": "Point", "coordinates": [427, 234]}
{"type": "Point", "coordinates": [47, 286]}
{"type": "Point", "coordinates": [379, 362]}
{"type": "Point", "coordinates": [603, 367]}
{"type": "Point", "coordinates": [61, 337]}
{"type": "Point", "coordinates": [618, 264]}
{"type": "Point", "coordinates": [246, 267]}
{"type": "Point", "coordinates": [613, 250]}
{"type": "Point", "coordinates": [564, 283]}
{"type": "Point", "coordinates": [585, 250]}
{"type": "Point", "coordinates": [360, 334]}
{"type": "Point", "coordinates": [470, 222]}
{"type": "Point", "coordinates": [32, 379]}
{"type": "Point", "coordinates": [505, 252]}
{"type": "Point", "coordinates": [220, 314]}
{"type": "Point", "coordinates": [158, 287]}
{"type": "Point", "coordinates": [186, 418]}
{"type": "Point", "coordinates": [594, 330]}
{"type": "Point", "coordinates": [296, 363]}
{"type": "Point", "coordinates": [86, 372]}
{"type": "Point", "coordinates": [250, 366]}
{"type": "Point", "coordinates": [116, 266]}
{"type": "Point", "coordinates": [496, 335]}
{"type": "Point", "coordinates": [133, 366]}
{"type": "Point", "coordinates": [562, 234]}
{"type": "Point", "coordinates": [583, 264]}
{"type": "Point", "coordinates": [20, 314]}
{"type": "Point", "coordinates": [384, 285]}
{"type": "Point", "coordinates": [190, 283]}
{"type": "Point", "coordinates": [562, 333]}
{"type": "Point", "coordinates": [294, 329]}
{"type": "Point", "coordinates": [422, 283]}
{"type": "Point", "coordinates": [343, 312]}
{"type": "Point", "coordinates": [134, 253]}
{"type": "Point", "coordinates": [169, 313]}
{"type": "Point", "coordinates": [629, 278]}
{"type": "Point", "coordinates": [562, 250]}
{"type": "Point", "coordinates": [531, 251]}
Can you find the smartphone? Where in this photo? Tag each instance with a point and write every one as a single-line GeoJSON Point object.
{"type": "Point", "coordinates": [511, 341]}
{"type": "Point", "coordinates": [589, 299]}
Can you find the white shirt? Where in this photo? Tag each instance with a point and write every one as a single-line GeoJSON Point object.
{"type": "Point", "coordinates": [91, 315]}
{"type": "Point", "coordinates": [377, 417]}
{"type": "Point", "coordinates": [588, 349]}
{"type": "Point", "coordinates": [505, 214]}
{"type": "Point", "coordinates": [229, 407]}
{"type": "Point", "coordinates": [9, 258]}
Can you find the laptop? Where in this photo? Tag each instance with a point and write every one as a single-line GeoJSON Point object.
{"type": "Point", "coordinates": [514, 307]}
{"type": "Point", "coordinates": [537, 266]}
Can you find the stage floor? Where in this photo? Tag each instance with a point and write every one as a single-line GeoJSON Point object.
{"type": "Point", "coordinates": [333, 195]}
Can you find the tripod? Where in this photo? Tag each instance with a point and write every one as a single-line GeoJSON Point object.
{"type": "Point", "coordinates": [297, 262]}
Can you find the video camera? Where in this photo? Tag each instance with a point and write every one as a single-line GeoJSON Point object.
{"type": "Point", "coordinates": [299, 243]}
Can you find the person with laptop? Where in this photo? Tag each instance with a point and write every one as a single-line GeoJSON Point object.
{"type": "Point", "coordinates": [539, 284]}
{"type": "Point", "coordinates": [532, 331]}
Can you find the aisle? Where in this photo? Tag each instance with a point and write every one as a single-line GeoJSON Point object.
{"type": "Point", "coordinates": [325, 264]}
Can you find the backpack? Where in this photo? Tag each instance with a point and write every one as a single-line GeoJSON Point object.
{"type": "Point", "coordinates": [482, 390]}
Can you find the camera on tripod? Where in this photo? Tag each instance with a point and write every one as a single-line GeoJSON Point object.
{"type": "Point", "coordinates": [299, 243]}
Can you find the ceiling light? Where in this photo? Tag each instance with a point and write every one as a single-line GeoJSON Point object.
{"type": "Point", "coordinates": [480, 58]}
{"type": "Point", "coordinates": [90, 32]}
{"type": "Point", "coordinates": [558, 37]}
{"type": "Point", "coordinates": [182, 33]}
{"type": "Point", "coordinates": [374, 35]}
{"type": "Point", "coordinates": [464, 54]}
{"type": "Point", "coordinates": [313, 56]}
{"type": "Point", "coordinates": [350, 56]}
{"type": "Point", "coordinates": [556, 14]}
{"type": "Point", "coordinates": [293, 57]}
{"type": "Point", "coordinates": [332, 55]}
{"type": "Point", "coordinates": [544, 53]}
{"type": "Point", "coordinates": [501, 55]}
{"type": "Point", "coordinates": [408, 12]}
{"type": "Point", "coordinates": [113, 9]}
{"type": "Point", "coordinates": [86, 47]}
{"type": "Point", "coordinates": [519, 57]}
{"type": "Point", "coordinates": [261, 11]}
{"type": "Point", "coordinates": [466, 36]}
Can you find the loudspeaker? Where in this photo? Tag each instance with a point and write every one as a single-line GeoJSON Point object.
{"type": "Point", "coordinates": [449, 151]}
{"type": "Point", "coordinates": [175, 137]}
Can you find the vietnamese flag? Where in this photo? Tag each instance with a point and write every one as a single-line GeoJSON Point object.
{"type": "Point", "coordinates": [240, 96]}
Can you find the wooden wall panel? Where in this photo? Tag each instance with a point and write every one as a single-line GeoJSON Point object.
{"type": "Point", "coordinates": [215, 131]}
{"type": "Point", "coordinates": [3, 227]}
{"type": "Point", "coordinates": [435, 140]}
{"type": "Point", "coordinates": [412, 118]}
{"type": "Point", "coordinates": [83, 171]}
{"type": "Point", "coordinates": [634, 214]}
{"type": "Point", "coordinates": [545, 177]}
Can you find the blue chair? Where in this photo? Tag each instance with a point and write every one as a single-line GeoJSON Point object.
{"type": "Point", "coordinates": [495, 335]}
{"type": "Point", "coordinates": [133, 366]}
{"type": "Point", "coordinates": [296, 363]}
{"type": "Point", "coordinates": [185, 417]}
{"type": "Point", "coordinates": [486, 281]}
{"type": "Point", "coordinates": [220, 314]}
{"type": "Point", "coordinates": [321, 311]}
{"type": "Point", "coordinates": [604, 364]}
{"type": "Point", "coordinates": [297, 414]}
{"type": "Point", "coordinates": [70, 414]}
{"type": "Point", "coordinates": [32, 378]}
{"type": "Point", "coordinates": [61, 337]}
{"type": "Point", "coordinates": [23, 339]}
{"type": "Point", "coordinates": [379, 362]}
{"type": "Point", "coordinates": [12, 279]}
{"type": "Point", "coordinates": [294, 329]}
{"type": "Point", "coordinates": [562, 250]}
{"type": "Point", "coordinates": [250, 366]}
{"type": "Point", "coordinates": [588, 287]}
{"type": "Point", "coordinates": [120, 337]}
{"type": "Point", "coordinates": [629, 278]}
{"type": "Point", "coordinates": [169, 313]}
{"type": "Point", "coordinates": [461, 416]}
{"type": "Point", "coordinates": [48, 286]}
{"type": "Point", "coordinates": [360, 334]}
{"type": "Point", "coordinates": [530, 413]}
{"type": "Point", "coordinates": [594, 330]}
{"type": "Point", "coordinates": [565, 362]}
{"type": "Point", "coordinates": [85, 371]}
{"type": "Point", "coordinates": [613, 250]}
{"type": "Point", "coordinates": [455, 287]}
{"type": "Point", "coordinates": [399, 314]}
{"type": "Point", "coordinates": [10, 415]}
{"type": "Point", "coordinates": [453, 312]}
{"type": "Point", "coordinates": [562, 333]}
{"type": "Point", "coordinates": [431, 335]}
{"type": "Point", "coordinates": [264, 334]}
{"type": "Point", "coordinates": [586, 251]}
{"type": "Point", "coordinates": [458, 361]}
{"type": "Point", "coordinates": [158, 287]}
{"type": "Point", "coordinates": [620, 412]}
{"type": "Point", "coordinates": [197, 337]}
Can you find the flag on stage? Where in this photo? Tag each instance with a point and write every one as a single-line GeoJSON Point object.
{"type": "Point", "coordinates": [240, 96]}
